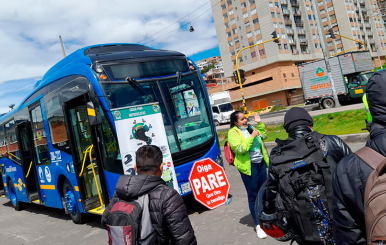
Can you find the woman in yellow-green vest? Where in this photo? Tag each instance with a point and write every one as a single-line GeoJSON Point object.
{"type": "Point", "coordinates": [251, 157]}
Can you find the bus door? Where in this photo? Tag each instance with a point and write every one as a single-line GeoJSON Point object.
{"type": "Point", "coordinates": [28, 159]}
{"type": "Point", "coordinates": [86, 155]}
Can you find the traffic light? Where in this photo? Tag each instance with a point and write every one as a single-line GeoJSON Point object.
{"type": "Point", "coordinates": [274, 35]}
{"type": "Point", "coordinates": [360, 46]}
{"type": "Point", "coordinates": [236, 77]}
{"type": "Point", "coordinates": [332, 33]}
{"type": "Point", "coordinates": [242, 75]}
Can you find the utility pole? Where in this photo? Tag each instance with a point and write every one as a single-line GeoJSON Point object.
{"type": "Point", "coordinates": [222, 81]}
{"type": "Point", "coordinates": [61, 43]}
{"type": "Point", "coordinates": [337, 104]}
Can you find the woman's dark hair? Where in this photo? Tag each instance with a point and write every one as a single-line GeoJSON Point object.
{"type": "Point", "coordinates": [234, 116]}
{"type": "Point", "coordinates": [148, 159]}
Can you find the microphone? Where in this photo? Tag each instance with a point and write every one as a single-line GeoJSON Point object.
{"type": "Point", "coordinates": [250, 128]}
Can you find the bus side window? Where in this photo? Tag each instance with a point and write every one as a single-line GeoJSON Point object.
{"type": "Point", "coordinates": [3, 144]}
{"type": "Point", "coordinates": [110, 150]}
{"type": "Point", "coordinates": [56, 123]}
{"type": "Point", "coordinates": [12, 144]}
{"type": "Point", "coordinates": [39, 137]}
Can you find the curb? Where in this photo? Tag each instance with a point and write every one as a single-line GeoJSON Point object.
{"type": "Point", "coordinates": [347, 138]}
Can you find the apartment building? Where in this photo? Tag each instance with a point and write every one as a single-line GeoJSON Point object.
{"type": "Point", "coordinates": [302, 25]}
{"type": "Point", "coordinates": [382, 9]}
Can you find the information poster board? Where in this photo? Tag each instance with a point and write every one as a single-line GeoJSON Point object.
{"type": "Point", "coordinates": [143, 125]}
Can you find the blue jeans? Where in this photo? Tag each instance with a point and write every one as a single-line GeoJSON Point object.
{"type": "Point", "coordinates": [253, 183]}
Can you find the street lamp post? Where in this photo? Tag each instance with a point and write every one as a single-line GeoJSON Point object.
{"type": "Point", "coordinates": [238, 72]}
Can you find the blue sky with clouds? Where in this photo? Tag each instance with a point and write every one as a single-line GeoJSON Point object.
{"type": "Point", "coordinates": [29, 33]}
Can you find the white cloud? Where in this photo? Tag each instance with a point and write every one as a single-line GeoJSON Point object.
{"type": "Point", "coordinates": [29, 30]}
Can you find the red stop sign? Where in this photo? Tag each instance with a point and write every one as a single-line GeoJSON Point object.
{"type": "Point", "coordinates": [209, 183]}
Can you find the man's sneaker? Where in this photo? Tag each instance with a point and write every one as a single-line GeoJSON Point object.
{"type": "Point", "coordinates": [260, 232]}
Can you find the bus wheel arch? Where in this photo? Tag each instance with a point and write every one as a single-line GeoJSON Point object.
{"type": "Point", "coordinates": [16, 204]}
{"type": "Point", "coordinates": [69, 201]}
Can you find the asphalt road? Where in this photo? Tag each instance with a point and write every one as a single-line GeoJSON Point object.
{"type": "Point", "coordinates": [38, 225]}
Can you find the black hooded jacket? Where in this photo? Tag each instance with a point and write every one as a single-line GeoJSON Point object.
{"type": "Point", "coordinates": [336, 149]}
{"type": "Point", "coordinates": [349, 182]}
{"type": "Point", "coordinates": [167, 209]}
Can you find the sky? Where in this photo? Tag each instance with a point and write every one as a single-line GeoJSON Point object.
{"type": "Point", "coordinates": [30, 29]}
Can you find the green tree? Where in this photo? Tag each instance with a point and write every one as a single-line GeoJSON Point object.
{"type": "Point", "coordinates": [206, 69]}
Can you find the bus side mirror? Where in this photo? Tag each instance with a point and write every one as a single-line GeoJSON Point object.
{"type": "Point", "coordinates": [94, 115]}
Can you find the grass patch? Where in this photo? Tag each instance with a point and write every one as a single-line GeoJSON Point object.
{"type": "Point", "coordinates": [338, 123]}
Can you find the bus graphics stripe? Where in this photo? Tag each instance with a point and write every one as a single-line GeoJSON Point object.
{"type": "Point", "coordinates": [76, 188]}
{"type": "Point", "coordinates": [47, 187]}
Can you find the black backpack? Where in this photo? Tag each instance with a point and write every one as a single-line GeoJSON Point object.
{"type": "Point", "coordinates": [305, 186]}
{"type": "Point", "coordinates": [129, 223]}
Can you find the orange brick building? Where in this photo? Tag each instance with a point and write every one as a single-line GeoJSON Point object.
{"type": "Point", "coordinates": [274, 84]}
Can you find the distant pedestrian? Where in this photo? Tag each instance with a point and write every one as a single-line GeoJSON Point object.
{"type": "Point", "coordinates": [352, 175]}
{"type": "Point", "coordinates": [168, 214]}
{"type": "Point", "coordinates": [300, 171]}
{"type": "Point", "coordinates": [251, 157]}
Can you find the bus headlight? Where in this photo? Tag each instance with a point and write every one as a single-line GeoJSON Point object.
{"type": "Point", "coordinates": [219, 160]}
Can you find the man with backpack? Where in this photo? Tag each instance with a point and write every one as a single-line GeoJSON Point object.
{"type": "Point", "coordinates": [144, 210]}
{"type": "Point", "coordinates": [300, 170]}
{"type": "Point", "coordinates": [359, 181]}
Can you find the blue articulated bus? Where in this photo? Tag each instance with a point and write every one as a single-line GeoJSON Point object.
{"type": "Point", "coordinates": [59, 147]}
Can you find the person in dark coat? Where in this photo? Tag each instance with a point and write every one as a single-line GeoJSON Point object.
{"type": "Point", "coordinates": [167, 209]}
{"type": "Point", "coordinates": [298, 123]}
{"type": "Point", "coordinates": [351, 174]}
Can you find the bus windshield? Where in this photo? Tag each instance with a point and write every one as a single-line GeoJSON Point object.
{"type": "Point", "coordinates": [225, 107]}
{"type": "Point", "coordinates": [183, 104]}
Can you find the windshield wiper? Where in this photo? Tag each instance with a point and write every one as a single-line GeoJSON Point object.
{"type": "Point", "coordinates": [138, 87]}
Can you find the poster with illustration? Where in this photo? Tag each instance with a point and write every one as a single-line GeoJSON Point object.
{"type": "Point", "coordinates": [143, 125]}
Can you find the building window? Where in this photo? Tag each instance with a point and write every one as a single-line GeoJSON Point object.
{"type": "Point", "coordinates": [257, 32]}
{"type": "Point", "coordinates": [279, 45]}
{"type": "Point", "coordinates": [229, 34]}
{"type": "Point", "coordinates": [284, 75]}
{"type": "Point", "coordinates": [274, 25]}
{"type": "Point", "coordinates": [232, 22]}
{"type": "Point", "coordinates": [230, 12]}
{"type": "Point", "coordinates": [234, 31]}
{"type": "Point", "coordinates": [255, 21]}
{"type": "Point", "coordinates": [253, 11]}
{"type": "Point", "coordinates": [253, 55]}
{"type": "Point", "coordinates": [245, 15]}
{"type": "Point", "coordinates": [244, 5]}
{"type": "Point", "coordinates": [285, 46]}
{"type": "Point", "coordinates": [249, 34]}
{"type": "Point", "coordinates": [262, 52]}
{"type": "Point", "coordinates": [253, 73]}
{"type": "Point", "coordinates": [272, 14]}
{"type": "Point", "coordinates": [293, 75]}
{"type": "Point", "coordinates": [230, 44]}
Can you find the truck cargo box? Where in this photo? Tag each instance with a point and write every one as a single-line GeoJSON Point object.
{"type": "Point", "coordinates": [356, 62]}
{"type": "Point", "coordinates": [315, 79]}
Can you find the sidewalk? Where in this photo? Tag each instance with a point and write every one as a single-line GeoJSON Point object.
{"type": "Point", "coordinates": [278, 117]}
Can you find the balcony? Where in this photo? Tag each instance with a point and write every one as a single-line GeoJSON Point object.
{"type": "Point", "coordinates": [371, 41]}
{"type": "Point", "coordinates": [303, 41]}
{"type": "Point", "coordinates": [286, 13]}
{"type": "Point", "coordinates": [288, 22]}
{"type": "Point", "coordinates": [362, 33]}
{"type": "Point", "coordinates": [299, 23]}
{"type": "Point", "coordinates": [289, 31]}
{"type": "Point", "coordinates": [283, 2]}
{"type": "Point", "coordinates": [292, 42]}
{"type": "Point", "coordinates": [294, 3]}
{"type": "Point", "coordinates": [367, 25]}
{"type": "Point", "coordinates": [362, 2]}
{"type": "Point", "coordinates": [297, 13]}
{"type": "Point", "coordinates": [300, 31]}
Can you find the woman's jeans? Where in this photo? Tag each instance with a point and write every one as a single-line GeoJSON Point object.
{"type": "Point", "coordinates": [253, 183]}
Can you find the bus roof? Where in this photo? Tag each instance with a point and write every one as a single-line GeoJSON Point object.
{"type": "Point", "coordinates": [95, 53]}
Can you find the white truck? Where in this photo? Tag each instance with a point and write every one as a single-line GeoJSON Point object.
{"type": "Point", "coordinates": [221, 107]}
{"type": "Point", "coordinates": [350, 73]}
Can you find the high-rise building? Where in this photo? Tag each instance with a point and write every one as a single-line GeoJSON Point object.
{"type": "Point", "coordinates": [271, 70]}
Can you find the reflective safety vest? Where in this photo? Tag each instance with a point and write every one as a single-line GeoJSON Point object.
{"type": "Point", "coordinates": [167, 175]}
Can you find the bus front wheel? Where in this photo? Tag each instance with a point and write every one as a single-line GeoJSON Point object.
{"type": "Point", "coordinates": [71, 204]}
{"type": "Point", "coordinates": [17, 205]}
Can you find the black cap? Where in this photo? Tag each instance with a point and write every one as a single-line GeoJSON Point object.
{"type": "Point", "coordinates": [295, 117]}
{"type": "Point", "coordinates": [376, 91]}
